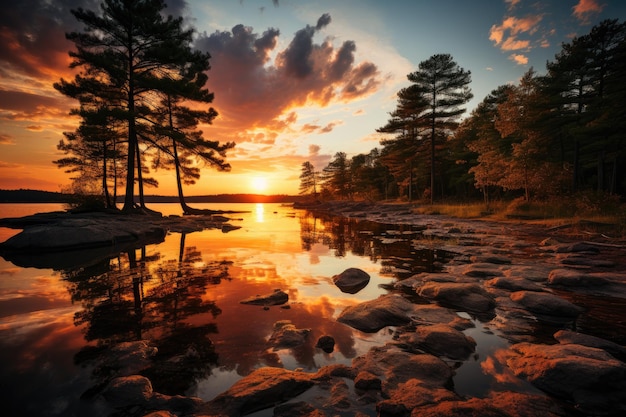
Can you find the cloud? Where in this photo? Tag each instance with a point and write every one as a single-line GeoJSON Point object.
{"type": "Point", "coordinates": [506, 34]}
{"type": "Point", "coordinates": [585, 9]}
{"type": "Point", "coordinates": [519, 59]}
{"type": "Point", "coordinates": [257, 87]}
{"type": "Point", "coordinates": [6, 139]}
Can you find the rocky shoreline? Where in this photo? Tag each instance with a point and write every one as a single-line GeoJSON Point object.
{"type": "Point", "coordinates": [531, 285]}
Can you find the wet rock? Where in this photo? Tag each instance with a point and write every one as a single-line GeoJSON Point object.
{"type": "Point", "coordinates": [491, 259]}
{"type": "Point", "coordinates": [434, 314]}
{"type": "Point", "coordinates": [498, 404]}
{"type": "Point", "coordinates": [263, 388]}
{"type": "Point", "coordinates": [482, 270]}
{"type": "Point", "coordinates": [128, 358]}
{"type": "Point", "coordinates": [395, 366]}
{"type": "Point", "coordinates": [575, 278]}
{"type": "Point", "coordinates": [128, 391]}
{"type": "Point", "coordinates": [278, 297]}
{"type": "Point", "coordinates": [326, 343]}
{"type": "Point", "coordinates": [410, 395]}
{"type": "Point", "coordinates": [286, 335]}
{"type": "Point", "coordinates": [535, 273]}
{"type": "Point", "coordinates": [590, 377]}
{"type": "Point", "coordinates": [297, 409]}
{"type": "Point", "coordinates": [513, 284]}
{"type": "Point", "coordinates": [160, 413]}
{"type": "Point", "coordinates": [583, 261]}
{"type": "Point", "coordinates": [339, 396]}
{"type": "Point", "coordinates": [467, 296]}
{"type": "Point", "coordinates": [546, 304]}
{"type": "Point", "coordinates": [352, 280]}
{"type": "Point", "coordinates": [371, 316]}
{"type": "Point", "coordinates": [439, 340]}
{"type": "Point", "coordinates": [577, 247]}
{"type": "Point", "coordinates": [565, 337]}
{"type": "Point", "coordinates": [367, 381]}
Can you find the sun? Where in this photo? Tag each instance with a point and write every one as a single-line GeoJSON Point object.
{"type": "Point", "coordinates": [259, 184]}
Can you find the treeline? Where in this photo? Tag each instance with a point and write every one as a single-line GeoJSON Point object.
{"type": "Point", "coordinates": [33, 196]}
{"type": "Point", "coordinates": [551, 135]}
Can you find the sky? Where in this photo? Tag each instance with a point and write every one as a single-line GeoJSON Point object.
{"type": "Point", "coordinates": [294, 80]}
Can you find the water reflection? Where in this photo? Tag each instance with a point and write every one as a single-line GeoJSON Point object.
{"type": "Point", "coordinates": [183, 297]}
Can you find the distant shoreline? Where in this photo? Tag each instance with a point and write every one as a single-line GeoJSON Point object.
{"type": "Point", "coordinates": [36, 196]}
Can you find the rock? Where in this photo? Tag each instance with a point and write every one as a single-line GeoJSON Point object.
{"type": "Point", "coordinates": [590, 377]}
{"type": "Point", "coordinates": [394, 366]}
{"type": "Point", "coordinates": [411, 394]}
{"type": "Point", "coordinates": [352, 280]}
{"type": "Point", "coordinates": [467, 296]}
{"type": "Point", "coordinates": [491, 259]}
{"type": "Point", "coordinates": [371, 316]}
{"type": "Point", "coordinates": [574, 278]}
{"type": "Point", "coordinates": [263, 388]}
{"type": "Point", "coordinates": [440, 340]}
{"type": "Point", "coordinates": [546, 304]}
{"type": "Point", "coordinates": [577, 260]}
{"type": "Point", "coordinates": [278, 297]}
{"type": "Point", "coordinates": [367, 381]}
{"type": "Point", "coordinates": [565, 337]}
{"type": "Point", "coordinates": [578, 247]}
{"type": "Point", "coordinates": [286, 335]}
{"type": "Point", "coordinates": [339, 396]}
{"type": "Point", "coordinates": [127, 391]}
{"type": "Point", "coordinates": [297, 409]}
{"type": "Point", "coordinates": [161, 413]}
{"type": "Point", "coordinates": [326, 343]}
{"type": "Point", "coordinates": [513, 284]}
{"type": "Point", "coordinates": [482, 270]}
{"type": "Point", "coordinates": [498, 404]}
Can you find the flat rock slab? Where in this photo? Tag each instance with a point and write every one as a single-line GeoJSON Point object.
{"type": "Point", "coordinates": [546, 304]}
{"type": "Point", "coordinates": [590, 377]}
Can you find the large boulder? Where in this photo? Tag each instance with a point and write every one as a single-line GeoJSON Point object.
{"type": "Point", "coordinates": [467, 296]}
{"type": "Point", "coordinates": [590, 377]}
{"type": "Point", "coordinates": [543, 303]}
{"type": "Point", "coordinates": [352, 280]}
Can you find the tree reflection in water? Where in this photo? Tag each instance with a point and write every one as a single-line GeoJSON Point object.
{"type": "Point", "coordinates": [130, 298]}
{"type": "Point", "coordinates": [401, 250]}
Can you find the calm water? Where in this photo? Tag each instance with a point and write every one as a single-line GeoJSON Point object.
{"type": "Point", "coordinates": [57, 327]}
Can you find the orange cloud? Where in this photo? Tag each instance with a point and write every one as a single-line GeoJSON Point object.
{"type": "Point", "coordinates": [585, 9]}
{"type": "Point", "coordinates": [257, 87]}
{"type": "Point", "coordinates": [506, 34]}
{"type": "Point", "coordinates": [519, 59]}
{"type": "Point", "coordinates": [6, 139]}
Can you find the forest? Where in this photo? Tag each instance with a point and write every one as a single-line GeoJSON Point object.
{"type": "Point", "coordinates": [141, 93]}
{"type": "Point", "coordinates": [548, 136]}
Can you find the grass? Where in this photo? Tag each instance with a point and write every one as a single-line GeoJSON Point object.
{"type": "Point", "coordinates": [589, 212]}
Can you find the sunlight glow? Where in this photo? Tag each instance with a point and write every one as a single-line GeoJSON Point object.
{"type": "Point", "coordinates": [259, 184]}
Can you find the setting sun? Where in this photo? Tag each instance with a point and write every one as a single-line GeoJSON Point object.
{"type": "Point", "coordinates": [259, 184]}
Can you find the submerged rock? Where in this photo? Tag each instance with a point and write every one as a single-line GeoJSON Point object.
{"type": "Point", "coordinates": [278, 297]}
{"type": "Point", "coordinates": [352, 280]}
{"type": "Point", "coordinates": [286, 335]}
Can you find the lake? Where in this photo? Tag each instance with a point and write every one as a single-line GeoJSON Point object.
{"type": "Point", "coordinates": [183, 295]}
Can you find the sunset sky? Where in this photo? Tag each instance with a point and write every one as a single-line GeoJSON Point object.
{"type": "Point", "coordinates": [294, 80]}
